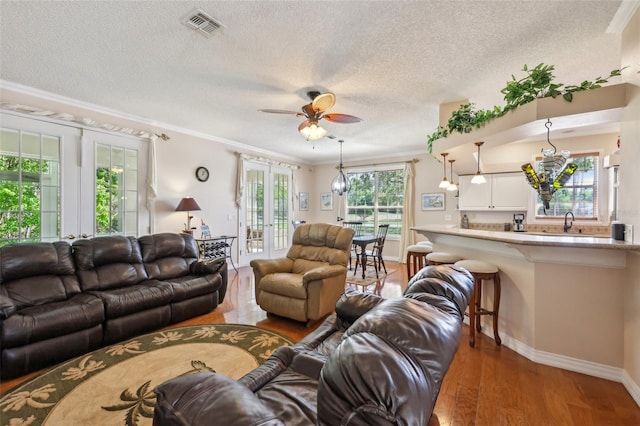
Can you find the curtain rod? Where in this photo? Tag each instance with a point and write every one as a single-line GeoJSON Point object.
{"type": "Point", "coordinates": [414, 160]}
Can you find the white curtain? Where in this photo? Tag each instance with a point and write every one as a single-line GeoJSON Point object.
{"type": "Point", "coordinates": [239, 181]}
{"type": "Point", "coordinates": [407, 237]}
{"type": "Point", "coordinates": [152, 182]}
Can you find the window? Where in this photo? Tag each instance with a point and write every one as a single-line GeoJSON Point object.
{"type": "Point", "coordinates": [61, 182]}
{"type": "Point", "coordinates": [377, 197]}
{"type": "Point", "coordinates": [116, 190]}
{"type": "Point", "coordinates": [29, 187]}
{"type": "Point", "coordinates": [580, 193]}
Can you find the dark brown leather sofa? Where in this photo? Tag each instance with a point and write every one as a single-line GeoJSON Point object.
{"type": "Point", "coordinates": [59, 300]}
{"type": "Point", "coordinates": [374, 362]}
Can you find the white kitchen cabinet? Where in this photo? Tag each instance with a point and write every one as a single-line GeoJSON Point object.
{"type": "Point", "coordinates": [501, 192]}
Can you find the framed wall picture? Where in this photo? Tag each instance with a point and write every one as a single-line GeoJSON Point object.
{"type": "Point", "coordinates": [326, 201]}
{"type": "Point", "coordinates": [433, 201]}
{"type": "Point", "coordinates": [304, 200]}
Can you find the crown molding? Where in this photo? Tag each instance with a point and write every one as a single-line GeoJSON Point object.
{"type": "Point", "coordinates": [623, 15]}
{"type": "Point", "coordinates": [53, 97]}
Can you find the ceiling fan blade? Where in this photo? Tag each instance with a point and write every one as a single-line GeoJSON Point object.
{"type": "Point", "coordinates": [324, 101]}
{"type": "Point", "coordinates": [304, 124]}
{"type": "Point", "coordinates": [280, 111]}
{"type": "Point", "coordinates": [341, 118]}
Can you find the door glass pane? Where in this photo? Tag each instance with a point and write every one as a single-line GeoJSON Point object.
{"type": "Point", "coordinates": [116, 190]}
{"type": "Point", "coordinates": [280, 211]}
{"type": "Point", "coordinates": [30, 145]}
{"type": "Point", "coordinates": [255, 211]}
{"type": "Point", "coordinates": [30, 183]}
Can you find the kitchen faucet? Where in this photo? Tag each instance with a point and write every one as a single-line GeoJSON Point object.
{"type": "Point", "coordinates": [568, 226]}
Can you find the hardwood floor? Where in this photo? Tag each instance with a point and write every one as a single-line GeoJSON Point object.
{"type": "Point", "coordinates": [485, 385]}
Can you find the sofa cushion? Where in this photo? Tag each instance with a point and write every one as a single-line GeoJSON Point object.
{"type": "Point", "coordinates": [321, 242]}
{"type": "Point", "coordinates": [108, 262]}
{"type": "Point", "coordinates": [190, 286]}
{"type": "Point", "coordinates": [300, 266]}
{"type": "Point", "coordinates": [50, 320]}
{"type": "Point", "coordinates": [431, 335]}
{"type": "Point", "coordinates": [284, 284]}
{"type": "Point", "coordinates": [167, 255]}
{"type": "Point", "coordinates": [371, 381]}
{"type": "Point", "coordinates": [36, 273]}
{"type": "Point", "coordinates": [135, 298]}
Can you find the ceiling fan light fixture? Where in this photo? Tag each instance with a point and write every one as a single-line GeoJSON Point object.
{"type": "Point", "coordinates": [445, 182]}
{"type": "Point", "coordinates": [478, 178]}
{"type": "Point", "coordinates": [313, 131]}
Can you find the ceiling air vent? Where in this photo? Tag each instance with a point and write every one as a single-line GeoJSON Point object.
{"type": "Point", "coordinates": [199, 21]}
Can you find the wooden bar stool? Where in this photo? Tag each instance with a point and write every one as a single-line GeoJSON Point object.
{"type": "Point", "coordinates": [482, 271]}
{"type": "Point", "coordinates": [442, 258]}
{"type": "Point", "coordinates": [417, 258]}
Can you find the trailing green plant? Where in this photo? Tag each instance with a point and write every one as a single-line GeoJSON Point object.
{"type": "Point", "coordinates": [538, 83]}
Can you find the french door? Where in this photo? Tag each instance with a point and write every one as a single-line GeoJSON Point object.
{"type": "Point", "coordinates": [70, 183]}
{"type": "Point", "coordinates": [265, 226]}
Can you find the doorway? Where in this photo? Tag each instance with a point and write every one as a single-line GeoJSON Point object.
{"type": "Point", "coordinates": [265, 227]}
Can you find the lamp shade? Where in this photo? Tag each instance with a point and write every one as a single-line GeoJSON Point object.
{"type": "Point", "coordinates": [313, 131]}
{"type": "Point", "coordinates": [341, 184]}
{"type": "Point", "coordinates": [187, 204]}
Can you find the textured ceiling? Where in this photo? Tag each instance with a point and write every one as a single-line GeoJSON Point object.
{"type": "Point", "coordinates": [389, 62]}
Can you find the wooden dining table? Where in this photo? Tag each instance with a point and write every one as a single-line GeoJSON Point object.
{"type": "Point", "coordinates": [362, 241]}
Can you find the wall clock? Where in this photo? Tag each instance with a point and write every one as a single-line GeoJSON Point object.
{"type": "Point", "coordinates": [202, 174]}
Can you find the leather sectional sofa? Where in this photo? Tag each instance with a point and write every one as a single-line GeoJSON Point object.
{"type": "Point", "coordinates": [59, 300]}
{"type": "Point", "coordinates": [373, 362]}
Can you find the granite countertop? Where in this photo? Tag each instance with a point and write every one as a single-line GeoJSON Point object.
{"type": "Point", "coordinates": [524, 238]}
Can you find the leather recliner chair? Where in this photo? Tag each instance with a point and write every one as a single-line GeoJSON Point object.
{"type": "Point", "coordinates": [306, 284]}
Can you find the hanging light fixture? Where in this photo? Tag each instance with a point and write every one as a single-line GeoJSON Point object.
{"type": "Point", "coordinates": [478, 178]}
{"type": "Point", "coordinates": [552, 176]}
{"type": "Point", "coordinates": [452, 186]}
{"type": "Point", "coordinates": [341, 184]}
{"type": "Point", "coordinates": [445, 183]}
{"type": "Point", "coordinates": [311, 130]}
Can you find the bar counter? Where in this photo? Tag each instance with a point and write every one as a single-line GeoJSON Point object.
{"type": "Point", "coordinates": [562, 300]}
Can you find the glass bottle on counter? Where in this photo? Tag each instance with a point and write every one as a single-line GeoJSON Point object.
{"type": "Point", "coordinates": [464, 222]}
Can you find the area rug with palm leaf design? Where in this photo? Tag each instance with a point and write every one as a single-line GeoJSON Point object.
{"type": "Point", "coordinates": [114, 385]}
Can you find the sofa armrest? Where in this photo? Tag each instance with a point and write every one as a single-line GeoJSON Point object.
{"type": "Point", "coordinates": [7, 307]}
{"type": "Point", "coordinates": [323, 272]}
{"type": "Point", "coordinates": [208, 266]}
{"type": "Point", "coordinates": [209, 399]}
{"type": "Point", "coordinates": [353, 304]}
{"type": "Point", "coordinates": [272, 266]}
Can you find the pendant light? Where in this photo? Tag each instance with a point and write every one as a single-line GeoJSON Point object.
{"type": "Point", "coordinates": [452, 186]}
{"type": "Point", "coordinates": [554, 171]}
{"type": "Point", "coordinates": [341, 184]}
{"type": "Point", "coordinates": [478, 178]}
{"type": "Point", "coordinates": [445, 183]}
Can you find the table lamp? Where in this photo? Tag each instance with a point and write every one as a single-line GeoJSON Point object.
{"type": "Point", "coordinates": [188, 204]}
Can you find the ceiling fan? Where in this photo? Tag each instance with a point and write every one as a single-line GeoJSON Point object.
{"type": "Point", "coordinates": [314, 112]}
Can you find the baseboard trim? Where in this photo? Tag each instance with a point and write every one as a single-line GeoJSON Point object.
{"type": "Point", "coordinates": [631, 387]}
{"type": "Point", "coordinates": [567, 363]}
{"type": "Point", "coordinates": [579, 366]}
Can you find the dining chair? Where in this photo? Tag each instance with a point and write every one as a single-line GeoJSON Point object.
{"type": "Point", "coordinates": [375, 254]}
{"type": "Point", "coordinates": [358, 227]}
